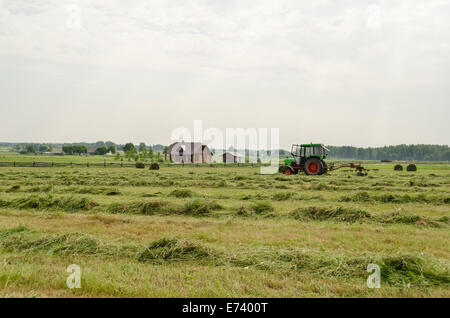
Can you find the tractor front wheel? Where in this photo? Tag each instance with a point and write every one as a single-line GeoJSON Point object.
{"type": "Point", "coordinates": [294, 167]}
{"type": "Point", "coordinates": [287, 171]}
{"type": "Point", "coordinates": [313, 166]}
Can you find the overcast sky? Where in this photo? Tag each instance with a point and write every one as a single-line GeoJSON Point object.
{"type": "Point", "coordinates": [363, 73]}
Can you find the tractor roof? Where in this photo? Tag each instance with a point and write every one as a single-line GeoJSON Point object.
{"type": "Point", "coordinates": [311, 145]}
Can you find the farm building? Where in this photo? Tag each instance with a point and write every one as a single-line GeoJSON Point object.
{"type": "Point", "coordinates": [91, 150]}
{"type": "Point", "coordinates": [54, 152]}
{"type": "Point", "coordinates": [189, 152]}
{"type": "Point", "coordinates": [232, 157]}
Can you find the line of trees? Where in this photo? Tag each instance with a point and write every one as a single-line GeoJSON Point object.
{"type": "Point", "coordinates": [399, 152]}
{"type": "Point", "coordinates": [104, 150]}
{"type": "Point", "coordinates": [159, 152]}
{"type": "Point", "coordinates": [32, 148]}
{"type": "Point", "coordinates": [143, 152]}
{"type": "Point", "coordinates": [75, 150]}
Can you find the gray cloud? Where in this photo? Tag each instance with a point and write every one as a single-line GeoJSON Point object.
{"type": "Point", "coordinates": [347, 72]}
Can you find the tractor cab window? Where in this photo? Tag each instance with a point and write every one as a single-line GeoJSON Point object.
{"type": "Point", "coordinates": [309, 151]}
{"type": "Point", "coordinates": [297, 151]}
{"type": "Point", "coordinates": [306, 151]}
{"type": "Point", "coordinates": [312, 151]}
{"type": "Point", "coordinates": [317, 150]}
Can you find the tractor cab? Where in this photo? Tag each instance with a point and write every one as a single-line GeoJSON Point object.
{"type": "Point", "coordinates": [304, 151]}
{"type": "Point", "coordinates": [306, 157]}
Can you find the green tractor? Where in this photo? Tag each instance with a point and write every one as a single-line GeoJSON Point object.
{"type": "Point", "coordinates": [306, 157]}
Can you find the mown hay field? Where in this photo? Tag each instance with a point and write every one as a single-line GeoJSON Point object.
{"type": "Point", "coordinates": [224, 232]}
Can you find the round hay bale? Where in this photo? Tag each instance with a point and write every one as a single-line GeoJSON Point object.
{"type": "Point", "coordinates": [154, 166]}
{"type": "Point", "coordinates": [140, 165]}
{"type": "Point", "coordinates": [411, 167]}
{"type": "Point", "coordinates": [398, 168]}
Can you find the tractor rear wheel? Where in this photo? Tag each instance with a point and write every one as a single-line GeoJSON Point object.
{"type": "Point", "coordinates": [313, 166]}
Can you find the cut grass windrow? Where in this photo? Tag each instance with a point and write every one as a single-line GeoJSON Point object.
{"type": "Point", "coordinates": [350, 215]}
{"type": "Point", "coordinates": [21, 238]}
{"type": "Point", "coordinates": [363, 196]}
{"type": "Point", "coordinates": [197, 207]}
{"type": "Point", "coordinates": [50, 202]}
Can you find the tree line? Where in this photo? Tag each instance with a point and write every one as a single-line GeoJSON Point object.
{"type": "Point", "coordinates": [32, 148]}
{"type": "Point", "coordinates": [159, 152]}
{"type": "Point", "coordinates": [144, 152]}
{"type": "Point", "coordinates": [399, 152]}
{"type": "Point", "coordinates": [100, 147]}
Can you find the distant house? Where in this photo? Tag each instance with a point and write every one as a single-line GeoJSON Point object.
{"type": "Point", "coordinates": [54, 152]}
{"type": "Point", "coordinates": [232, 157]}
{"type": "Point", "coordinates": [91, 150]}
{"type": "Point", "coordinates": [189, 152]}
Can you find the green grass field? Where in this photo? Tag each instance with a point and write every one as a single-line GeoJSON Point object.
{"type": "Point", "coordinates": [60, 159]}
{"type": "Point", "coordinates": [223, 232]}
